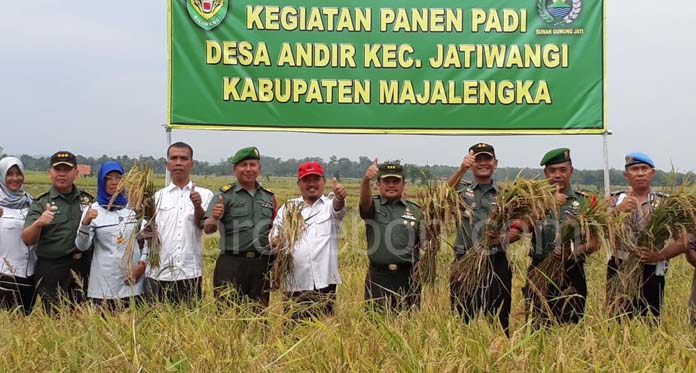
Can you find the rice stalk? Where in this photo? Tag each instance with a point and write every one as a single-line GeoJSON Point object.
{"type": "Point", "coordinates": [442, 207]}
{"type": "Point", "coordinates": [138, 185]}
{"type": "Point", "coordinates": [522, 200]}
{"type": "Point", "coordinates": [283, 245]}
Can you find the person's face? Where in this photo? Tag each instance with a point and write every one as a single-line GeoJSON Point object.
{"type": "Point", "coordinates": [62, 176]}
{"type": "Point", "coordinates": [639, 176]}
{"type": "Point", "coordinates": [484, 167]}
{"type": "Point", "coordinates": [311, 187]}
{"type": "Point", "coordinates": [247, 171]}
{"type": "Point", "coordinates": [112, 180]}
{"type": "Point", "coordinates": [14, 179]}
{"type": "Point", "coordinates": [391, 188]}
{"type": "Point", "coordinates": [559, 175]}
{"type": "Point", "coordinates": [179, 163]}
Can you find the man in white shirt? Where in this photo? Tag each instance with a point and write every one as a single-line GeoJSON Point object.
{"type": "Point", "coordinates": [179, 219]}
{"type": "Point", "coordinates": [313, 283]}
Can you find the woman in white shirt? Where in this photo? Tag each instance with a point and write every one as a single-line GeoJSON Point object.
{"type": "Point", "coordinates": [17, 260]}
{"type": "Point", "coordinates": [113, 281]}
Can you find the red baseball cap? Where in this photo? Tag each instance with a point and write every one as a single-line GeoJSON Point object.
{"type": "Point", "coordinates": [309, 168]}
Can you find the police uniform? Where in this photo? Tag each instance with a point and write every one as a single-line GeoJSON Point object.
{"type": "Point", "coordinates": [393, 235]}
{"type": "Point", "coordinates": [566, 300]}
{"type": "Point", "coordinates": [652, 282]}
{"type": "Point", "coordinates": [496, 297]}
{"type": "Point", "coordinates": [241, 270]}
{"type": "Point", "coordinates": [58, 258]}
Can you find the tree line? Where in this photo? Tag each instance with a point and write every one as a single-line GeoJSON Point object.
{"type": "Point", "coordinates": [347, 168]}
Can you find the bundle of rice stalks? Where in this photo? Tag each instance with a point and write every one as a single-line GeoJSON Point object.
{"type": "Point", "coordinates": [442, 208]}
{"type": "Point", "coordinates": [594, 222]}
{"type": "Point", "coordinates": [289, 233]}
{"type": "Point", "coordinates": [522, 200]}
{"type": "Point", "coordinates": [672, 218]}
{"type": "Point", "coordinates": [138, 184]}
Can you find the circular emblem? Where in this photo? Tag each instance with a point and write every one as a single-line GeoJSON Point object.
{"type": "Point", "coordinates": [559, 12]}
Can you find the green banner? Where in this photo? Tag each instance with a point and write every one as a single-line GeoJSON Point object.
{"type": "Point", "coordinates": [378, 66]}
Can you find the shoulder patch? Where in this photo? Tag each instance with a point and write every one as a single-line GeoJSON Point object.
{"type": "Point", "coordinates": [582, 194]}
{"type": "Point", "coordinates": [226, 187]}
{"type": "Point", "coordinates": [266, 189]}
{"type": "Point", "coordinates": [412, 203]}
{"type": "Point", "coordinates": [465, 182]}
{"type": "Point", "coordinates": [41, 196]}
{"type": "Point", "coordinates": [86, 198]}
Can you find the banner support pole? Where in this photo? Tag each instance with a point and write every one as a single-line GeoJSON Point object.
{"type": "Point", "coordinates": [607, 181]}
{"type": "Point", "coordinates": [168, 132]}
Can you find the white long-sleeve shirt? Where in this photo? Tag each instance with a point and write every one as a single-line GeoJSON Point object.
{"type": "Point", "coordinates": [181, 238]}
{"type": "Point", "coordinates": [16, 258]}
{"type": "Point", "coordinates": [110, 232]}
{"type": "Point", "coordinates": [316, 253]}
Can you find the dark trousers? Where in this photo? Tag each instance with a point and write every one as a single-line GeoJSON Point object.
{"type": "Point", "coordinates": [17, 293]}
{"type": "Point", "coordinates": [312, 303]}
{"type": "Point", "coordinates": [239, 279]}
{"type": "Point", "coordinates": [117, 305]}
{"type": "Point", "coordinates": [652, 291]}
{"type": "Point", "coordinates": [62, 281]}
{"type": "Point", "coordinates": [187, 291]}
{"type": "Point", "coordinates": [394, 290]}
{"type": "Point", "coordinates": [565, 301]}
{"type": "Point", "coordinates": [494, 298]}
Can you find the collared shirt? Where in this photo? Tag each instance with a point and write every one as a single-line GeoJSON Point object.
{"type": "Point", "coordinates": [58, 238]}
{"type": "Point", "coordinates": [247, 220]}
{"type": "Point", "coordinates": [479, 200]}
{"type": "Point", "coordinates": [545, 237]}
{"type": "Point", "coordinates": [392, 230]}
{"type": "Point", "coordinates": [315, 255]}
{"type": "Point", "coordinates": [181, 238]}
{"type": "Point", "coordinates": [635, 223]}
{"type": "Point", "coordinates": [16, 258]}
{"type": "Point", "coordinates": [110, 232]}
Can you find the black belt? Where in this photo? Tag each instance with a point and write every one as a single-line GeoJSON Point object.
{"type": "Point", "coordinates": [393, 267]}
{"type": "Point", "coordinates": [246, 254]}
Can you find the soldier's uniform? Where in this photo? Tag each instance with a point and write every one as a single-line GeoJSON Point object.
{"type": "Point", "coordinates": [496, 297]}
{"type": "Point", "coordinates": [393, 235]}
{"type": "Point", "coordinates": [58, 257]}
{"type": "Point", "coordinates": [652, 282]}
{"type": "Point", "coordinates": [241, 270]}
{"type": "Point", "coordinates": [566, 300]}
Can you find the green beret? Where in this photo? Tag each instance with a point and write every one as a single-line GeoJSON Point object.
{"type": "Point", "coordinates": [246, 153]}
{"type": "Point", "coordinates": [556, 156]}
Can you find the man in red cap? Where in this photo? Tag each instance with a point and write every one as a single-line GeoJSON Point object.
{"type": "Point", "coordinates": [315, 271]}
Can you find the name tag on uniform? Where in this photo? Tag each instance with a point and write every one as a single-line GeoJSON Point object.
{"type": "Point", "coordinates": [265, 204]}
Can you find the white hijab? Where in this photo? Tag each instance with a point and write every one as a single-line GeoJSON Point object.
{"type": "Point", "coordinates": [14, 200]}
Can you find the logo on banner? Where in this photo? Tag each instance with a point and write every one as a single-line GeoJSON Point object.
{"type": "Point", "coordinates": [560, 15]}
{"type": "Point", "coordinates": [207, 14]}
{"type": "Point", "coordinates": [559, 12]}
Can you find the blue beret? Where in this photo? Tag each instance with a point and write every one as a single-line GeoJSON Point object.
{"type": "Point", "coordinates": [638, 157]}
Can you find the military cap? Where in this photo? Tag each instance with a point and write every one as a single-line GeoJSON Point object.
{"type": "Point", "coordinates": [638, 157]}
{"type": "Point", "coordinates": [482, 148]}
{"type": "Point", "coordinates": [246, 153]}
{"type": "Point", "coordinates": [556, 156]}
{"type": "Point", "coordinates": [391, 169]}
{"type": "Point", "coordinates": [63, 157]}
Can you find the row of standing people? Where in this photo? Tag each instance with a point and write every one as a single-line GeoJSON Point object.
{"type": "Point", "coordinates": [70, 241]}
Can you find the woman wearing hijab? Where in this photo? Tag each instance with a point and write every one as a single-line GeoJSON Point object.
{"type": "Point", "coordinates": [108, 226]}
{"type": "Point", "coordinates": [17, 260]}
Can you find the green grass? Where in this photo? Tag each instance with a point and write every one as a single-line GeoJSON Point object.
{"type": "Point", "coordinates": [210, 337]}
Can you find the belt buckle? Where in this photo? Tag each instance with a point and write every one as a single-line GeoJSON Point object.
{"type": "Point", "coordinates": [77, 256]}
{"type": "Point", "coordinates": [250, 254]}
{"type": "Point", "coordinates": [393, 267]}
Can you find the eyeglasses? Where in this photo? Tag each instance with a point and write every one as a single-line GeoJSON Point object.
{"type": "Point", "coordinates": [114, 178]}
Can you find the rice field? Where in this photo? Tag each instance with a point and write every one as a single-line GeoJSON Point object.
{"type": "Point", "coordinates": [210, 337]}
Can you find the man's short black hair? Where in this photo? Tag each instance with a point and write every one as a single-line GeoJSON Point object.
{"type": "Point", "coordinates": [180, 144]}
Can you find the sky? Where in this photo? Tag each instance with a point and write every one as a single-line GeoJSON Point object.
{"type": "Point", "coordinates": [91, 77]}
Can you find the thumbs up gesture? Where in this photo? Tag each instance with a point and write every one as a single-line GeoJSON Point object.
{"type": "Point", "coordinates": [48, 215]}
{"type": "Point", "coordinates": [339, 190]}
{"type": "Point", "coordinates": [630, 203]}
{"type": "Point", "coordinates": [372, 171]}
{"type": "Point", "coordinates": [219, 208]}
{"type": "Point", "coordinates": [468, 161]}
{"type": "Point", "coordinates": [90, 215]}
{"type": "Point", "coordinates": [561, 198]}
{"type": "Point", "coordinates": [195, 196]}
